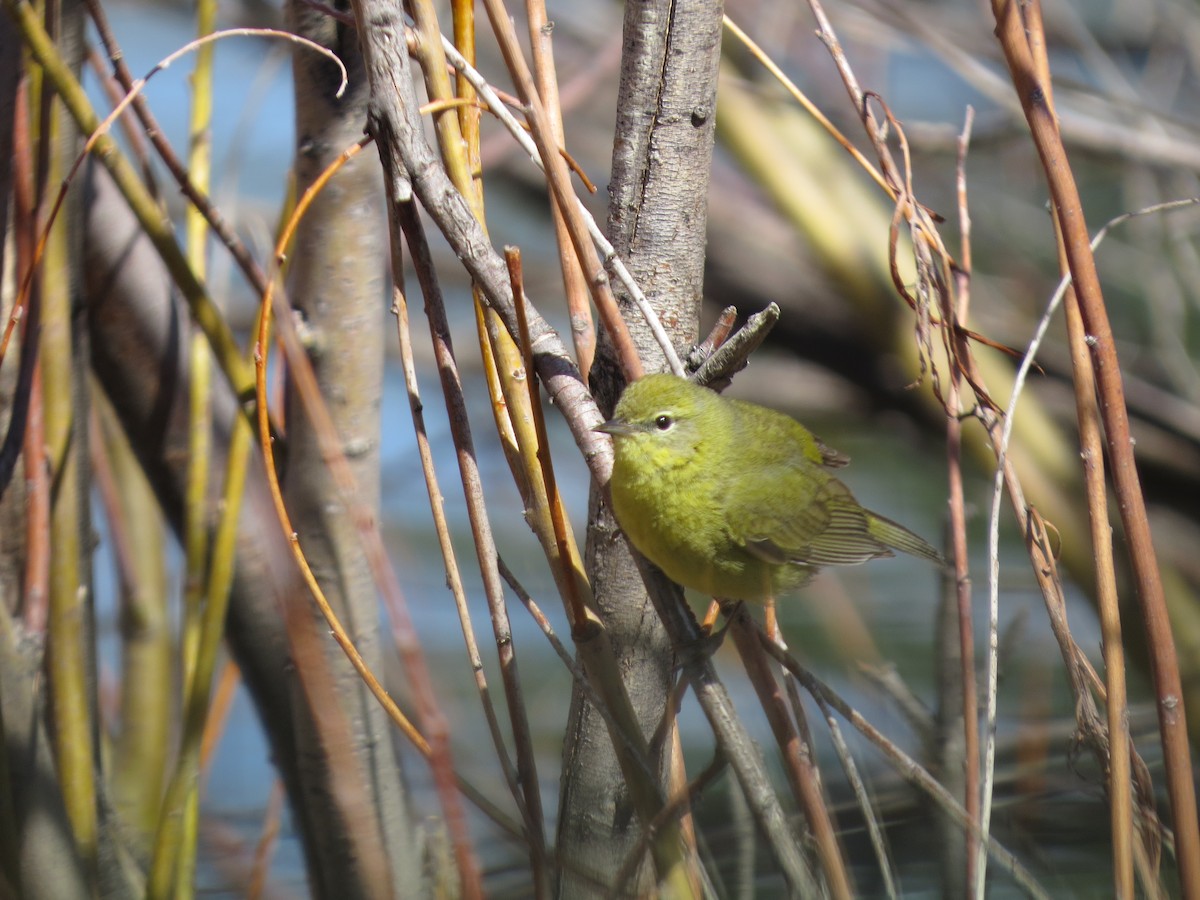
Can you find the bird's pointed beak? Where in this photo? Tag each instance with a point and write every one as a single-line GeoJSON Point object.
{"type": "Point", "coordinates": [616, 427]}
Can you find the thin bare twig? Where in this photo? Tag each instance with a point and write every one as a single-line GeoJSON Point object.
{"type": "Point", "coordinates": [563, 543]}
{"type": "Point", "coordinates": [908, 767]}
{"type": "Point", "coordinates": [564, 195]}
{"type": "Point", "coordinates": [442, 529]}
{"type": "Point", "coordinates": [610, 258]}
{"type": "Point", "coordinates": [958, 516]}
{"type": "Point", "coordinates": [435, 741]}
{"type": "Point", "coordinates": [811, 108]}
{"type": "Point", "coordinates": [1002, 475]}
{"type": "Point", "coordinates": [481, 531]}
{"type": "Point", "coordinates": [798, 761]}
{"type": "Point", "coordinates": [878, 842]}
{"type": "Point", "coordinates": [1117, 772]}
{"type": "Point", "coordinates": [583, 329]}
{"type": "Point", "coordinates": [1013, 23]}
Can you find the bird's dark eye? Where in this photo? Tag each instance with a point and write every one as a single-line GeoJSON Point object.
{"type": "Point", "coordinates": [664, 422]}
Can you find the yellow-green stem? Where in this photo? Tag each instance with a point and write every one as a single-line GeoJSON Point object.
{"type": "Point", "coordinates": [168, 849]}
{"type": "Point", "coordinates": [140, 750]}
{"type": "Point", "coordinates": [69, 638]}
{"type": "Point", "coordinates": [200, 369]}
{"type": "Point", "coordinates": [199, 438]}
{"type": "Point", "coordinates": [152, 219]}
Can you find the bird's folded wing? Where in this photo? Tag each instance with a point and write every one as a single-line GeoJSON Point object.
{"type": "Point", "coordinates": [804, 520]}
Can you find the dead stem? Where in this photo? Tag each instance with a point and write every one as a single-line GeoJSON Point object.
{"type": "Point", "coordinates": [909, 769]}
{"type": "Point", "coordinates": [1015, 26]}
{"type": "Point", "coordinates": [481, 530]}
{"type": "Point", "coordinates": [957, 314]}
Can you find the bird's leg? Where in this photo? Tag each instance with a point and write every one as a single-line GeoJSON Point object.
{"type": "Point", "coordinates": [769, 620]}
{"type": "Point", "coordinates": [710, 641]}
{"type": "Point", "coordinates": [729, 608]}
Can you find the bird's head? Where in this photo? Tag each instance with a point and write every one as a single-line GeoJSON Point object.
{"type": "Point", "coordinates": [660, 420]}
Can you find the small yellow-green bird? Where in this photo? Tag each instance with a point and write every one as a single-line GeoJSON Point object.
{"type": "Point", "coordinates": [734, 499]}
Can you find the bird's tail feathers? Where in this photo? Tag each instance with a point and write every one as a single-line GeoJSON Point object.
{"type": "Point", "coordinates": [900, 538]}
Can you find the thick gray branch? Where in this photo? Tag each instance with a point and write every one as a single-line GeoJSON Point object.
{"type": "Point", "coordinates": [661, 160]}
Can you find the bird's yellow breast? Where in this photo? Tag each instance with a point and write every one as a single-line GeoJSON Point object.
{"type": "Point", "coordinates": [674, 513]}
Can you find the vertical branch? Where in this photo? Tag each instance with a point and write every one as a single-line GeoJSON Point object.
{"type": "Point", "coordinates": [172, 868]}
{"type": "Point", "coordinates": [583, 331]}
{"type": "Point", "coordinates": [662, 155]}
{"type": "Point", "coordinates": [336, 278]}
{"type": "Point", "coordinates": [1164, 664]}
{"type": "Point", "coordinates": [1118, 771]}
{"type": "Point", "coordinates": [148, 699]}
{"type": "Point", "coordinates": [564, 555]}
{"type": "Point", "coordinates": [958, 516]}
{"type": "Point", "coordinates": [36, 582]}
{"type": "Point", "coordinates": [195, 535]}
{"type": "Point", "coordinates": [196, 507]}
{"type": "Point", "coordinates": [63, 361]}
{"type": "Point", "coordinates": [440, 525]}
{"type": "Point", "coordinates": [559, 178]}
{"type": "Point", "coordinates": [1118, 775]}
{"type": "Point", "coordinates": [481, 530]}
{"type": "Point", "coordinates": [798, 763]}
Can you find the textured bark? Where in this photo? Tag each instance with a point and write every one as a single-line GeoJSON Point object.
{"type": "Point", "coordinates": [12, 550]}
{"type": "Point", "coordinates": [657, 218]}
{"type": "Point", "coordinates": [141, 360]}
{"type": "Point", "coordinates": [38, 855]}
{"type": "Point", "coordinates": [10, 73]}
{"type": "Point", "coordinates": [337, 290]}
{"type": "Point", "coordinates": [64, 367]}
{"type": "Point", "coordinates": [46, 858]}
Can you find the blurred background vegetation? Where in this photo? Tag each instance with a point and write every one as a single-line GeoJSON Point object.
{"type": "Point", "coordinates": [148, 757]}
